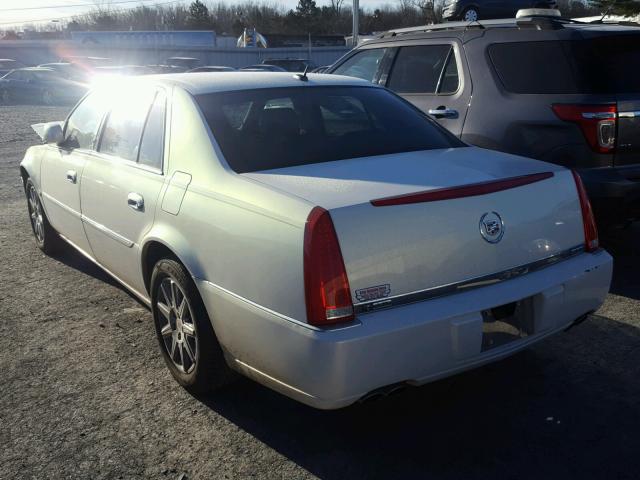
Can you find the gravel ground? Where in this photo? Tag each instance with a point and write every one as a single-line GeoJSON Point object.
{"type": "Point", "coordinates": [84, 392]}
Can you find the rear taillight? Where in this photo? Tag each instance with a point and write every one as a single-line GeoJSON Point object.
{"type": "Point", "coordinates": [598, 123]}
{"type": "Point", "coordinates": [591, 242]}
{"type": "Point", "coordinates": [327, 291]}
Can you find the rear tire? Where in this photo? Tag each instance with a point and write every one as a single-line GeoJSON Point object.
{"type": "Point", "coordinates": [45, 235]}
{"type": "Point", "coordinates": [471, 14]}
{"type": "Point", "coordinates": [186, 338]}
{"type": "Point", "coordinates": [5, 97]}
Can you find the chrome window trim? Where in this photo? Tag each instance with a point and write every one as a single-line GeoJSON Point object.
{"type": "Point", "coordinates": [465, 285]}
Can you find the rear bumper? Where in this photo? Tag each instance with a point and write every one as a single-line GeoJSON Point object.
{"type": "Point", "coordinates": [416, 343]}
{"type": "Point", "coordinates": [614, 192]}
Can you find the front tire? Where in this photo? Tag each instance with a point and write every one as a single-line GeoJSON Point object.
{"type": "Point", "coordinates": [45, 235]}
{"type": "Point", "coordinates": [185, 335]}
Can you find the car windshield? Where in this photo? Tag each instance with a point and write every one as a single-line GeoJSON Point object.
{"type": "Point", "coordinates": [282, 127]}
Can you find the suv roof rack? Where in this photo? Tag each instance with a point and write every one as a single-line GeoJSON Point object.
{"type": "Point", "coordinates": [540, 19]}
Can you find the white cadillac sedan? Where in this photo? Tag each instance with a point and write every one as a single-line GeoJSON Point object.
{"type": "Point", "coordinates": [317, 234]}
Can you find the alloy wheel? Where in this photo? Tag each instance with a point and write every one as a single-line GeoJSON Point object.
{"type": "Point", "coordinates": [470, 15]}
{"type": "Point", "coordinates": [35, 212]}
{"type": "Point", "coordinates": [177, 326]}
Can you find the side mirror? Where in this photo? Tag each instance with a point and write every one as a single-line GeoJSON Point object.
{"type": "Point", "coordinates": [52, 133]}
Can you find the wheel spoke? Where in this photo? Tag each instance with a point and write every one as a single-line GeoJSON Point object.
{"type": "Point", "coordinates": [164, 294]}
{"type": "Point", "coordinates": [187, 348]}
{"type": "Point", "coordinates": [166, 330]}
{"type": "Point", "coordinates": [189, 329]}
{"type": "Point", "coordinates": [173, 349]}
{"type": "Point", "coordinates": [181, 348]}
{"type": "Point", "coordinates": [164, 310]}
{"type": "Point", "coordinates": [181, 308]}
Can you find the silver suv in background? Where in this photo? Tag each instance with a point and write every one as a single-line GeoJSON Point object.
{"type": "Point", "coordinates": [544, 87]}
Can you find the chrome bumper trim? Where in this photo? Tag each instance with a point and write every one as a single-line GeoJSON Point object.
{"type": "Point", "coordinates": [464, 285]}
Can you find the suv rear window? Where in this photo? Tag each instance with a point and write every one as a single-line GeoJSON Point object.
{"type": "Point", "coordinates": [284, 127]}
{"type": "Point", "coordinates": [605, 64]}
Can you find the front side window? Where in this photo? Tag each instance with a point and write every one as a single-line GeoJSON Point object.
{"type": "Point", "coordinates": [82, 126]}
{"type": "Point", "coordinates": [283, 127]}
{"type": "Point", "coordinates": [426, 69]}
{"type": "Point", "coordinates": [123, 128]}
{"type": "Point", "coordinates": [364, 64]}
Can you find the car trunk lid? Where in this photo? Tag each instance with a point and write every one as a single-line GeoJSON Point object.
{"type": "Point", "coordinates": [403, 248]}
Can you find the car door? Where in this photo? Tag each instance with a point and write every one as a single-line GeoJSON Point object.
{"type": "Point", "coordinates": [432, 77]}
{"type": "Point", "coordinates": [62, 166]}
{"type": "Point", "coordinates": [121, 183]}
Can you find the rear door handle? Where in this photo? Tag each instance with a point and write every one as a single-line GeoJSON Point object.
{"type": "Point", "coordinates": [443, 112]}
{"type": "Point", "coordinates": [135, 201]}
{"type": "Point", "coordinates": [72, 176]}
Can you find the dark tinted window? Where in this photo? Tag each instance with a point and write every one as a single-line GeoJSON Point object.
{"type": "Point", "coordinates": [606, 64]}
{"type": "Point", "coordinates": [82, 125]}
{"type": "Point", "coordinates": [282, 127]}
{"type": "Point", "coordinates": [420, 69]}
{"type": "Point", "coordinates": [152, 145]}
{"type": "Point", "coordinates": [363, 64]}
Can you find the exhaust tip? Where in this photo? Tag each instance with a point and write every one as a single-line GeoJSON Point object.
{"type": "Point", "coordinates": [381, 392]}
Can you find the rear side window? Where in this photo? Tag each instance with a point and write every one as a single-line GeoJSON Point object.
{"type": "Point", "coordinates": [600, 65]}
{"type": "Point", "coordinates": [123, 128]}
{"type": "Point", "coordinates": [284, 127]}
{"type": "Point", "coordinates": [425, 69]}
{"type": "Point", "coordinates": [152, 144]}
{"type": "Point", "coordinates": [364, 64]}
{"type": "Point", "coordinates": [534, 67]}
{"type": "Point", "coordinates": [82, 126]}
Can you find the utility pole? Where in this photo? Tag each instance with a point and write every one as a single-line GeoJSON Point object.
{"type": "Point", "coordinates": [356, 21]}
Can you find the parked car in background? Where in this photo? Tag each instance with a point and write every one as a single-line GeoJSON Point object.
{"type": "Point", "coordinates": [123, 70]}
{"type": "Point", "coordinates": [186, 63]}
{"type": "Point", "coordinates": [163, 69]}
{"type": "Point", "coordinates": [472, 10]}
{"type": "Point", "coordinates": [262, 68]}
{"type": "Point", "coordinates": [39, 85]}
{"type": "Point", "coordinates": [317, 234]}
{"type": "Point", "coordinates": [213, 68]}
{"type": "Point", "coordinates": [87, 63]}
{"type": "Point", "coordinates": [291, 64]}
{"type": "Point", "coordinates": [543, 87]}
{"type": "Point", "coordinates": [8, 64]}
{"type": "Point", "coordinates": [70, 71]}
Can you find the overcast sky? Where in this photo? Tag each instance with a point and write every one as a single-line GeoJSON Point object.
{"type": "Point", "coordinates": [23, 11]}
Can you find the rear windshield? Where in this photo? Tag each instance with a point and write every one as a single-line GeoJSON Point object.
{"type": "Point", "coordinates": [601, 65]}
{"type": "Point", "coordinates": [283, 127]}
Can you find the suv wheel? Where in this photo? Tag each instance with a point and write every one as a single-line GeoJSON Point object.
{"type": "Point", "coordinates": [471, 14]}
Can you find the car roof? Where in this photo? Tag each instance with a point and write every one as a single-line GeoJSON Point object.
{"type": "Point", "coordinates": [210, 82]}
{"type": "Point", "coordinates": [458, 29]}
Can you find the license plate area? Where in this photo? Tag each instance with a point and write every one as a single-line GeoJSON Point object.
{"type": "Point", "coordinates": [507, 323]}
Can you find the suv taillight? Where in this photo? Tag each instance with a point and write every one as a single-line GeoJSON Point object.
{"type": "Point", "coordinates": [598, 123]}
{"type": "Point", "coordinates": [327, 291]}
{"type": "Point", "coordinates": [591, 242]}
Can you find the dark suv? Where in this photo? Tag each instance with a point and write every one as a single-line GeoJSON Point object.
{"type": "Point", "coordinates": [472, 10]}
{"type": "Point", "coordinates": [541, 87]}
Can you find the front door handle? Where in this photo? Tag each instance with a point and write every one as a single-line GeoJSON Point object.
{"type": "Point", "coordinates": [443, 112]}
{"type": "Point", "coordinates": [135, 201]}
{"type": "Point", "coordinates": [72, 176]}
